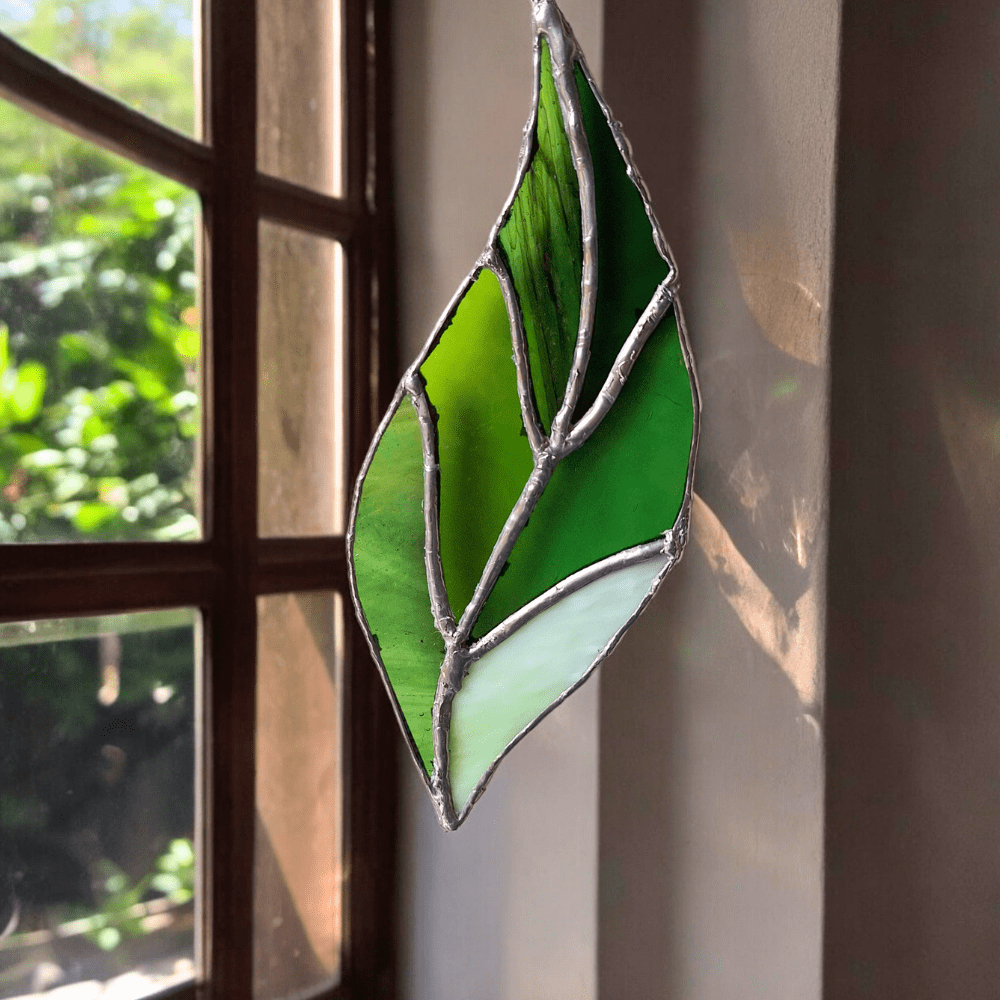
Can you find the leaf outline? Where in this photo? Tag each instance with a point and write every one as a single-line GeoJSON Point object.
{"type": "Point", "coordinates": [565, 436]}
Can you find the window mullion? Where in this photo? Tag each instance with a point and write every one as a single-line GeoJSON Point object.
{"type": "Point", "coordinates": [48, 581]}
{"type": "Point", "coordinates": [231, 623]}
{"type": "Point", "coordinates": [369, 749]}
{"type": "Point", "coordinates": [282, 201]}
{"type": "Point", "coordinates": [288, 565]}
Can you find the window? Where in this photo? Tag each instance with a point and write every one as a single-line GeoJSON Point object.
{"type": "Point", "coordinates": [233, 573]}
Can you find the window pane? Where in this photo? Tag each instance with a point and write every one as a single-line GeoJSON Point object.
{"type": "Point", "coordinates": [302, 391]}
{"type": "Point", "coordinates": [97, 807]}
{"type": "Point", "coordinates": [141, 51]}
{"type": "Point", "coordinates": [299, 95]}
{"type": "Point", "coordinates": [99, 344]}
{"type": "Point", "coordinates": [297, 870]}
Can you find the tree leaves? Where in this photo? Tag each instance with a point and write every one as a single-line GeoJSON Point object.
{"type": "Point", "coordinates": [22, 387]}
{"type": "Point", "coordinates": [99, 351]}
{"type": "Point", "coordinates": [512, 519]}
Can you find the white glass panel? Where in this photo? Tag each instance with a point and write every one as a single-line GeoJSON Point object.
{"type": "Point", "coordinates": [514, 683]}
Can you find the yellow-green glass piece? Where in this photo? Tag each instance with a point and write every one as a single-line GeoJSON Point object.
{"type": "Point", "coordinates": [483, 452]}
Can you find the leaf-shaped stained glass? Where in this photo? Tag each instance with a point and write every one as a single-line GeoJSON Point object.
{"type": "Point", "coordinates": [521, 509]}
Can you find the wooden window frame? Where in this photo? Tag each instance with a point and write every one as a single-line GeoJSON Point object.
{"type": "Point", "coordinates": [224, 575]}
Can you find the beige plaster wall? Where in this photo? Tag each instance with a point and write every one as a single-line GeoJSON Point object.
{"type": "Point", "coordinates": [711, 814]}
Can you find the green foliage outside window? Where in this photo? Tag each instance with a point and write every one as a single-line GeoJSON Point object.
{"type": "Point", "coordinates": [99, 329]}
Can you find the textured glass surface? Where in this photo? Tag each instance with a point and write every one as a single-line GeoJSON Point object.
{"type": "Point", "coordinates": [141, 51]}
{"type": "Point", "coordinates": [623, 487]}
{"type": "Point", "coordinates": [506, 690]}
{"type": "Point", "coordinates": [300, 422]}
{"type": "Point", "coordinates": [543, 246]}
{"type": "Point", "coordinates": [99, 343]}
{"type": "Point", "coordinates": [97, 804]}
{"type": "Point", "coordinates": [629, 267]}
{"type": "Point", "coordinates": [299, 92]}
{"type": "Point", "coordinates": [483, 452]}
{"type": "Point", "coordinates": [298, 871]}
{"type": "Point", "coordinates": [390, 574]}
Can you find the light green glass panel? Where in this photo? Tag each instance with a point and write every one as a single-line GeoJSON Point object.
{"type": "Point", "coordinates": [514, 683]}
{"type": "Point", "coordinates": [624, 486]}
{"type": "Point", "coordinates": [629, 267]}
{"type": "Point", "coordinates": [484, 455]}
{"type": "Point", "coordinates": [543, 246]}
{"type": "Point", "coordinates": [390, 575]}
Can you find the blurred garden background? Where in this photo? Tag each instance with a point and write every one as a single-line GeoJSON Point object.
{"type": "Point", "coordinates": [100, 422]}
{"type": "Point", "coordinates": [99, 326]}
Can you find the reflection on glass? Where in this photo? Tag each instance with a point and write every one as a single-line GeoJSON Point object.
{"type": "Point", "coordinates": [97, 759]}
{"type": "Point", "coordinates": [99, 343]}
{"type": "Point", "coordinates": [297, 868]}
{"type": "Point", "coordinates": [140, 51]}
{"type": "Point", "coordinates": [299, 95]}
{"type": "Point", "coordinates": [301, 403]}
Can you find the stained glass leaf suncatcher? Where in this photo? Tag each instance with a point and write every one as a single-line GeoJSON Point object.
{"type": "Point", "coordinates": [530, 486]}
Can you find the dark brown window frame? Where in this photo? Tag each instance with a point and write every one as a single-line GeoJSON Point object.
{"type": "Point", "coordinates": [224, 575]}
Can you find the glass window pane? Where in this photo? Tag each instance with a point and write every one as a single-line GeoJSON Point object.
{"type": "Point", "coordinates": [99, 343]}
{"type": "Point", "coordinates": [97, 805]}
{"type": "Point", "coordinates": [302, 383]}
{"type": "Point", "coordinates": [297, 870]}
{"type": "Point", "coordinates": [299, 92]}
{"type": "Point", "coordinates": [143, 52]}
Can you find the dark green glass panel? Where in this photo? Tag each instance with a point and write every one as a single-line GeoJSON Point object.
{"type": "Point", "coordinates": [484, 455]}
{"type": "Point", "coordinates": [543, 247]}
{"type": "Point", "coordinates": [624, 486]}
{"type": "Point", "coordinates": [390, 574]}
{"type": "Point", "coordinates": [628, 265]}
